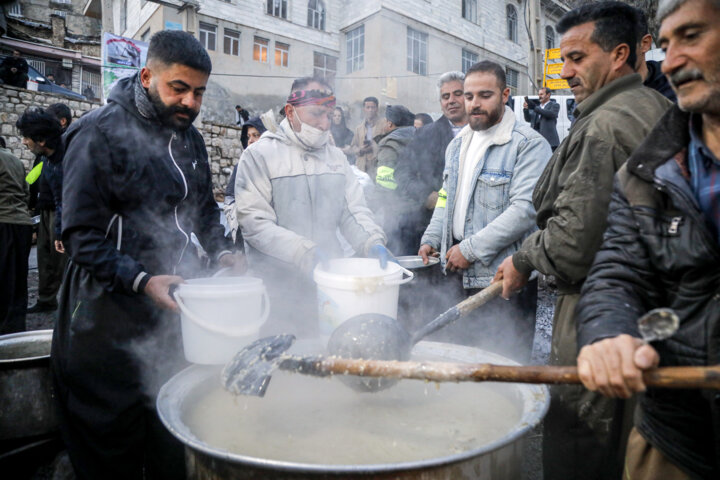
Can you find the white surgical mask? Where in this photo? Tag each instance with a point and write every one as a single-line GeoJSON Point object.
{"type": "Point", "coordinates": [309, 136]}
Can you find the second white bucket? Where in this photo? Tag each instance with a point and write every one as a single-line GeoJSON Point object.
{"type": "Point", "coordinates": [219, 316]}
{"type": "Point", "coordinates": [353, 286]}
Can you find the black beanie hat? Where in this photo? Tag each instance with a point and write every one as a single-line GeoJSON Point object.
{"type": "Point", "coordinates": [399, 115]}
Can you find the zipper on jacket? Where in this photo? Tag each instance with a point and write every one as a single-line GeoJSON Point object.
{"type": "Point", "coordinates": [692, 212]}
{"type": "Point", "coordinates": [177, 221]}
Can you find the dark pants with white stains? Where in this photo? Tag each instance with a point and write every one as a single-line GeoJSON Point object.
{"type": "Point", "coordinates": [505, 327]}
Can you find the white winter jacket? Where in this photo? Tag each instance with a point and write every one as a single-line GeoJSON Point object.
{"type": "Point", "coordinates": [290, 199]}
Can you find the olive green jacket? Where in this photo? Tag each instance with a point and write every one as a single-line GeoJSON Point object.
{"type": "Point", "coordinates": [14, 190]}
{"type": "Point", "coordinates": [573, 193]}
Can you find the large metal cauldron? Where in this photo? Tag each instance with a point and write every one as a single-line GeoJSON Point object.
{"type": "Point", "coordinates": [26, 405]}
{"type": "Point", "coordinates": [497, 460]}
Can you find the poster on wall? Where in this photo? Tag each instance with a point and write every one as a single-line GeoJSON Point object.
{"type": "Point", "coordinates": [121, 57]}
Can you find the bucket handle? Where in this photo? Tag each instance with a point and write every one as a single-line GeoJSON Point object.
{"type": "Point", "coordinates": [232, 332]}
{"type": "Point", "coordinates": [400, 281]}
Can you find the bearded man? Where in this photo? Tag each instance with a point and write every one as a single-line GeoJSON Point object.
{"type": "Point", "coordinates": [136, 184]}
{"type": "Point", "coordinates": [485, 210]}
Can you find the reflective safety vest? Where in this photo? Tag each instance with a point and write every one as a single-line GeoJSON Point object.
{"type": "Point", "coordinates": [34, 174]}
{"type": "Point", "coordinates": [442, 199]}
{"type": "Point", "coordinates": [386, 177]}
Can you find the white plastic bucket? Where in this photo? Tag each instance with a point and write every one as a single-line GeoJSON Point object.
{"type": "Point", "coordinates": [353, 286]}
{"type": "Point", "coordinates": [32, 85]}
{"type": "Point", "coordinates": [219, 316]}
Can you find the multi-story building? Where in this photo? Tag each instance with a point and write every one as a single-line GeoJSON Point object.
{"type": "Point", "coordinates": [391, 49]}
{"type": "Point", "coordinates": [55, 38]}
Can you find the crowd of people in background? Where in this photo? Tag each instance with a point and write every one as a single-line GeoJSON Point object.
{"type": "Point", "coordinates": [622, 214]}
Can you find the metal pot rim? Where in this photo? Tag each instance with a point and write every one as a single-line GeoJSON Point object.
{"type": "Point", "coordinates": [535, 400]}
{"type": "Point", "coordinates": [38, 335]}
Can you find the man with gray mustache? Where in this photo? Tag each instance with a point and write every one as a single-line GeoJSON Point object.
{"type": "Point", "coordinates": [585, 433]}
{"type": "Point", "coordinates": [661, 250]}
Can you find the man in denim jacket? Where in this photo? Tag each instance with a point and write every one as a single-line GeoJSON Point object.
{"type": "Point", "coordinates": [484, 212]}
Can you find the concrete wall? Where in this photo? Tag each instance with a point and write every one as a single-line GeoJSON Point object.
{"type": "Point", "coordinates": [223, 143]}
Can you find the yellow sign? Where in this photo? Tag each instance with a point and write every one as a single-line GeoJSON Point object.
{"type": "Point", "coordinates": [552, 54]}
{"type": "Point", "coordinates": [554, 68]}
{"type": "Point", "coordinates": [556, 83]}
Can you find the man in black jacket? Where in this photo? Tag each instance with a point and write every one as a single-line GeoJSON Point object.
{"type": "Point", "coordinates": [136, 184]}
{"type": "Point", "coordinates": [46, 199]}
{"type": "Point", "coordinates": [542, 115]}
{"type": "Point", "coordinates": [14, 70]}
{"type": "Point", "coordinates": [650, 70]}
{"type": "Point", "coordinates": [419, 168]}
{"type": "Point", "coordinates": [661, 250]}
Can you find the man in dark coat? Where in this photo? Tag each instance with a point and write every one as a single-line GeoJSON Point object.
{"type": "Point", "coordinates": [46, 199]}
{"type": "Point", "coordinates": [661, 250]}
{"type": "Point", "coordinates": [584, 433]}
{"type": "Point", "coordinates": [542, 115]}
{"type": "Point", "coordinates": [14, 70]}
{"type": "Point", "coordinates": [650, 70]}
{"type": "Point", "coordinates": [136, 184]}
{"type": "Point", "coordinates": [418, 172]}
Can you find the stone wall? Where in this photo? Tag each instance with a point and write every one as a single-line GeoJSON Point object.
{"type": "Point", "coordinates": [223, 142]}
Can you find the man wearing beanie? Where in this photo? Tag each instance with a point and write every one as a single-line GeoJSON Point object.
{"type": "Point", "coordinates": [398, 131]}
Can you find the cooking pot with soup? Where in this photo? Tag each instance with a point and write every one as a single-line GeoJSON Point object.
{"type": "Point", "coordinates": [311, 428]}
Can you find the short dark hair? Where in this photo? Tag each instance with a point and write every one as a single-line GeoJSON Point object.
{"type": "Point", "coordinates": [39, 125]}
{"type": "Point", "coordinates": [424, 118]}
{"type": "Point", "coordinates": [371, 99]}
{"type": "Point", "coordinates": [60, 111]}
{"type": "Point", "coordinates": [303, 82]}
{"type": "Point", "coordinates": [487, 66]}
{"type": "Point", "coordinates": [546, 89]}
{"type": "Point", "coordinates": [175, 46]}
{"type": "Point", "coordinates": [2, 142]}
{"type": "Point", "coordinates": [615, 23]}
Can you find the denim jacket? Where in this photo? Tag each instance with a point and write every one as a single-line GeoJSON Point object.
{"type": "Point", "coordinates": [500, 212]}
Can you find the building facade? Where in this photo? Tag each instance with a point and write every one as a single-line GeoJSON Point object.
{"type": "Point", "coordinates": [57, 39]}
{"type": "Point", "coordinates": [394, 50]}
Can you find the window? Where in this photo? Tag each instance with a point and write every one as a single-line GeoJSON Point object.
{"type": "Point", "coordinates": [15, 10]}
{"type": "Point", "coordinates": [549, 37]}
{"type": "Point", "coordinates": [277, 8]}
{"type": "Point", "coordinates": [468, 60]}
{"type": "Point", "coordinates": [512, 80]}
{"type": "Point", "coordinates": [260, 49]}
{"type": "Point", "coordinates": [282, 51]}
{"type": "Point", "coordinates": [512, 21]}
{"type": "Point", "coordinates": [355, 49]}
{"type": "Point", "coordinates": [90, 83]}
{"type": "Point", "coordinates": [469, 10]}
{"type": "Point", "coordinates": [417, 51]}
{"type": "Point", "coordinates": [208, 34]}
{"type": "Point", "coordinates": [316, 14]}
{"type": "Point", "coordinates": [325, 66]}
{"type": "Point", "coordinates": [38, 65]}
{"type": "Point", "coordinates": [231, 42]}
{"type": "Point", "coordinates": [145, 36]}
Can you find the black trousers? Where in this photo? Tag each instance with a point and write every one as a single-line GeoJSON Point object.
{"type": "Point", "coordinates": [505, 327]}
{"type": "Point", "coordinates": [15, 244]}
{"type": "Point", "coordinates": [51, 263]}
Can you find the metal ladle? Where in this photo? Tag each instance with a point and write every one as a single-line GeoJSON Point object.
{"type": "Point", "coordinates": [379, 337]}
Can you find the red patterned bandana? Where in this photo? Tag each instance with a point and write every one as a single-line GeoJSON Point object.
{"type": "Point", "coordinates": [301, 98]}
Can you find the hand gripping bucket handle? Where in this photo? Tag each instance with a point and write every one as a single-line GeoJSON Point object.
{"type": "Point", "coordinates": [400, 281]}
{"type": "Point", "coordinates": [222, 331]}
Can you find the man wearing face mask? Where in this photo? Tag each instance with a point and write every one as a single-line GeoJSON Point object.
{"type": "Point", "coordinates": [293, 191]}
{"type": "Point", "coordinates": [136, 184]}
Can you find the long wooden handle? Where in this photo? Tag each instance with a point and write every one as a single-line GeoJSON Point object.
{"type": "Point", "coordinates": [480, 298]}
{"type": "Point", "coordinates": [667, 377]}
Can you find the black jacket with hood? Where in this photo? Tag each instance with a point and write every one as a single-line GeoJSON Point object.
{"type": "Point", "coordinates": [133, 192]}
{"type": "Point", "coordinates": [659, 252]}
